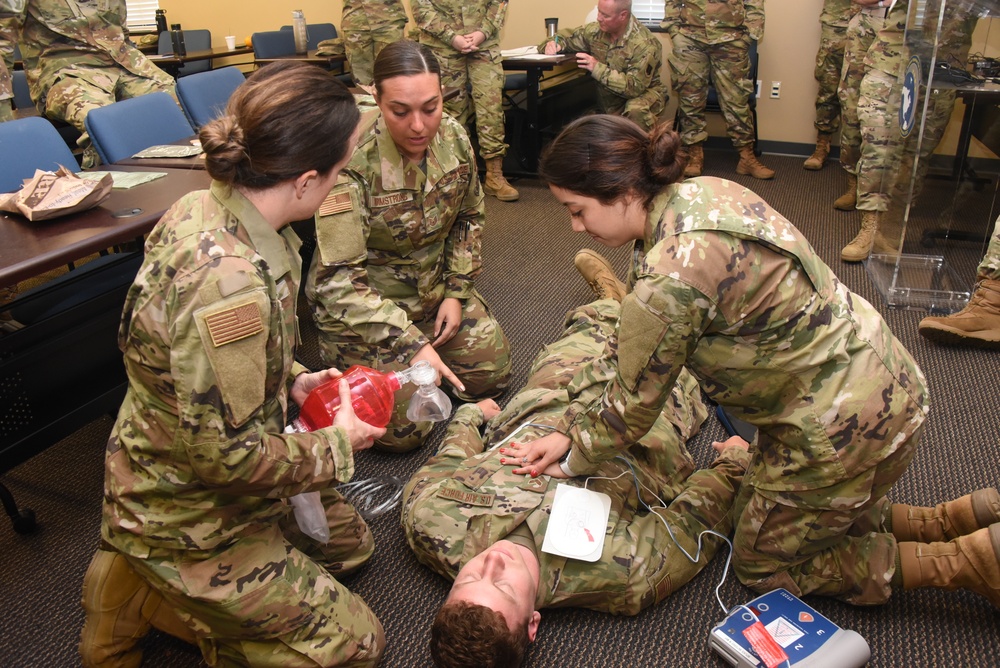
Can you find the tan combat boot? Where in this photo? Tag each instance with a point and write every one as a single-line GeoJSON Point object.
{"type": "Point", "coordinates": [696, 160]}
{"type": "Point", "coordinates": [849, 200]}
{"type": "Point", "coordinates": [977, 324]}
{"type": "Point", "coordinates": [749, 164]}
{"type": "Point", "coordinates": [948, 520]}
{"type": "Point", "coordinates": [861, 245]}
{"type": "Point", "coordinates": [120, 607]}
{"type": "Point", "coordinates": [599, 275]}
{"type": "Point", "coordinates": [968, 562]}
{"type": "Point", "coordinates": [496, 184]}
{"type": "Point", "coordinates": [819, 156]}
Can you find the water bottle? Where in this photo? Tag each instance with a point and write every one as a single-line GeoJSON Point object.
{"type": "Point", "coordinates": [161, 21]}
{"type": "Point", "coordinates": [299, 31]}
{"type": "Point", "coordinates": [177, 39]}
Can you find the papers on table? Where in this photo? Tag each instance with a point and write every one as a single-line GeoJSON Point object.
{"type": "Point", "coordinates": [169, 151]}
{"type": "Point", "coordinates": [124, 180]}
{"type": "Point", "coordinates": [520, 52]}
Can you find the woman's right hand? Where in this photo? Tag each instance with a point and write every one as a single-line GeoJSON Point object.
{"type": "Point", "coordinates": [429, 354]}
{"type": "Point", "coordinates": [361, 434]}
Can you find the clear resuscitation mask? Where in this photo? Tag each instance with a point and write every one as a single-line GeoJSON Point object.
{"type": "Point", "coordinates": [428, 403]}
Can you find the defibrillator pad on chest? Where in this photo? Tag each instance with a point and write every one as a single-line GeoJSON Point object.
{"type": "Point", "coordinates": [577, 524]}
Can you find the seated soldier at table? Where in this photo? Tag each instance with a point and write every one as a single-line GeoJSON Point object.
{"type": "Point", "coordinates": [77, 57]}
{"type": "Point", "coordinates": [623, 56]}
{"type": "Point", "coordinates": [468, 517]}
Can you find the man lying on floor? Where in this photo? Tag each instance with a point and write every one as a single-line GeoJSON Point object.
{"type": "Point", "coordinates": [469, 518]}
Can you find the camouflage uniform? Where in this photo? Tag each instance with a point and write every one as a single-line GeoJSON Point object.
{"type": "Point", "coordinates": [710, 37]}
{"type": "Point", "coordinates": [627, 71]}
{"type": "Point", "coordinates": [463, 500]}
{"type": "Point", "coordinates": [861, 32]}
{"type": "Point", "coordinates": [401, 238]}
{"type": "Point", "coordinates": [368, 26]}
{"type": "Point", "coordinates": [77, 58]}
{"type": "Point", "coordinates": [440, 21]}
{"type": "Point", "coordinates": [989, 268]}
{"type": "Point", "coordinates": [8, 38]}
{"type": "Point", "coordinates": [726, 287]}
{"type": "Point", "coordinates": [198, 469]}
{"type": "Point", "coordinates": [885, 165]}
{"type": "Point", "coordinates": [829, 62]}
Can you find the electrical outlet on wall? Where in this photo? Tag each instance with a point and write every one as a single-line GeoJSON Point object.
{"type": "Point", "coordinates": [775, 90]}
{"type": "Point", "coordinates": [760, 84]}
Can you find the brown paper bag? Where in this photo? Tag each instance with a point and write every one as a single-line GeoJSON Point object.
{"type": "Point", "coordinates": [50, 195]}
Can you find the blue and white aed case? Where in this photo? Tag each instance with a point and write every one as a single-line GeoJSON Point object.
{"type": "Point", "coordinates": [796, 636]}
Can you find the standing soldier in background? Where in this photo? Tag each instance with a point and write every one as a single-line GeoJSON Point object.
{"type": "Point", "coordinates": [886, 158]}
{"type": "Point", "coordinates": [829, 63]}
{"type": "Point", "coordinates": [368, 26]}
{"type": "Point", "coordinates": [623, 57]}
{"type": "Point", "coordinates": [861, 32]}
{"type": "Point", "coordinates": [9, 27]}
{"type": "Point", "coordinates": [77, 58]}
{"type": "Point", "coordinates": [465, 37]}
{"type": "Point", "coordinates": [713, 38]}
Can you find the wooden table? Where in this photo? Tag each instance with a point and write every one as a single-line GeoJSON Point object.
{"type": "Point", "coordinates": [309, 57]}
{"type": "Point", "coordinates": [534, 67]}
{"type": "Point", "coordinates": [171, 63]}
{"type": "Point", "coordinates": [28, 249]}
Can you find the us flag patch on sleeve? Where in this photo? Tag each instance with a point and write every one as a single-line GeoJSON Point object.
{"type": "Point", "coordinates": [234, 323]}
{"type": "Point", "coordinates": [338, 201]}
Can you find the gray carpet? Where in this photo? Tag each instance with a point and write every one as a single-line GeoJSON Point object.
{"type": "Point", "coordinates": [530, 283]}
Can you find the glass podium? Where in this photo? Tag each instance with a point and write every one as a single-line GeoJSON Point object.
{"type": "Point", "coordinates": [936, 209]}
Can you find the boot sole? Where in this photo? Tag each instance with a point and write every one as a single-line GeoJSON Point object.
{"type": "Point", "coordinates": [845, 207]}
{"type": "Point", "coordinates": [956, 338]}
{"type": "Point", "coordinates": [813, 167]}
{"type": "Point", "coordinates": [502, 199]}
{"type": "Point", "coordinates": [747, 172]}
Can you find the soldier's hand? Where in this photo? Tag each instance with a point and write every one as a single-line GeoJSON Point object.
{"type": "Point", "coordinates": [731, 442]}
{"type": "Point", "coordinates": [428, 353]}
{"type": "Point", "coordinates": [489, 408]}
{"type": "Point", "coordinates": [305, 383]}
{"type": "Point", "coordinates": [361, 434]}
{"type": "Point", "coordinates": [539, 456]}
{"type": "Point", "coordinates": [586, 61]}
{"type": "Point", "coordinates": [552, 48]}
{"type": "Point", "coordinates": [449, 317]}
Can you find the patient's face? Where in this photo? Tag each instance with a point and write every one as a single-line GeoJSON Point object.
{"type": "Point", "coordinates": [502, 579]}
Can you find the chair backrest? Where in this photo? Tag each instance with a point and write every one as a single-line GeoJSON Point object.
{"type": "Point", "coordinates": [27, 144]}
{"type": "Point", "coordinates": [204, 96]}
{"type": "Point", "coordinates": [273, 43]}
{"type": "Point", "coordinates": [316, 33]}
{"type": "Point", "coordinates": [123, 128]}
{"type": "Point", "coordinates": [22, 94]}
{"type": "Point", "coordinates": [194, 40]}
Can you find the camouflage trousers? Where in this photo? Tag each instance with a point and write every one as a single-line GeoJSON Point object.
{"type": "Point", "coordinates": [830, 541]}
{"type": "Point", "coordinates": [6, 111]}
{"type": "Point", "coordinates": [643, 110]}
{"type": "Point", "coordinates": [271, 598]}
{"type": "Point", "coordinates": [479, 354]}
{"type": "Point", "coordinates": [79, 89]}
{"type": "Point", "coordinates": [483, 72]}
{"type": "Point", "coordinates": [885, 162]}
{"type": "Point", "coordinates": [989, 268]}
{"type": "Point", "coordinates": [364, 45]}
{"type": "Point", "coordinates": [829, 64]}
{"type": "Point", "coordinates": [861, 32]}
{"type": "Point", "coordinates": [691, 64]}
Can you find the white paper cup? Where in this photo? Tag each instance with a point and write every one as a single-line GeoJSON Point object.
{"type": "Point", "coordinates": [230, 42]}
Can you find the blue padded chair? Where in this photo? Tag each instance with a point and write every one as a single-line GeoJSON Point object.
{"type": "Point", "coordinates": [27, 144]}
{"type": "Point", "coordinates": [126, 127]}
{"type": "Point", "coordinates": [204, 96]}
{"type": "Point", "coordinates": [273, 43]}
{"type": "Point", "coordinates": [316, 33]}
{"type": "Point", "coordinates": [194, 40]}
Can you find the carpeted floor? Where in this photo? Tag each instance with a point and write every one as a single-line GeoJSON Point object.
{"type": "Point", "coordinates": [530, 283]}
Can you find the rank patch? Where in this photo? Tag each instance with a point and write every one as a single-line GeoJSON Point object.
{"type": "Point", "coordinates": [234, 324]}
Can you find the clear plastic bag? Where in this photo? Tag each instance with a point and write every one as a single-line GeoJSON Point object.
{"type": "Point", "coordinates": [311, 516]}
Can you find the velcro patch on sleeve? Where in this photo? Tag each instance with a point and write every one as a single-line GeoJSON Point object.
{"type": "Point", "coordinates": [235, 323]}
{"type": "Point", "coordinates": [467, 497]}
{"type": "Point", "coordinates": [338, 201]}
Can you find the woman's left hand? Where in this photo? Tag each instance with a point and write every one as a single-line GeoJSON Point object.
{"type": "Point", "coordinates": [449, 317]}
{"type": "Point", "coordinates": [538, 456]}
{"type": "Point", "coordinates": [305, 383]}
